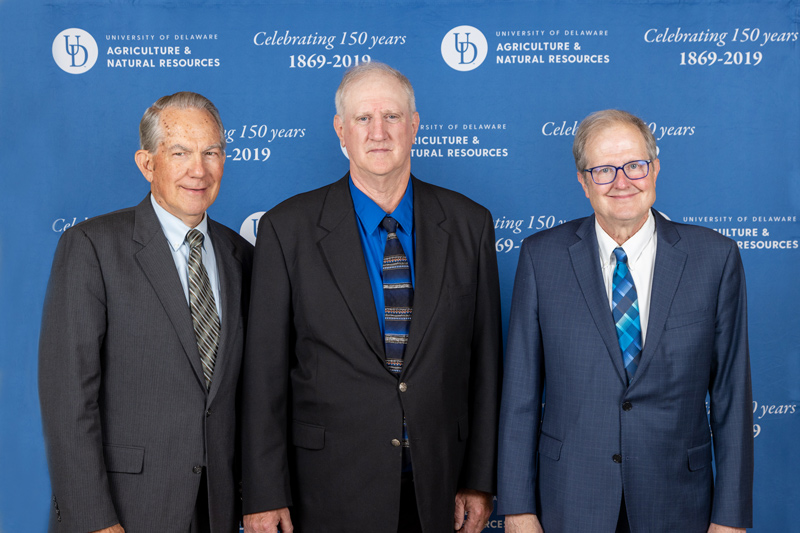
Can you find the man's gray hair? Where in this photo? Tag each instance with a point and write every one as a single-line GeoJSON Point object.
{"type": "Point", "coordinates": [601, 120]}
{"type": "Point", "coordinates": [360, 71]}
{"type": "Point", "coordinates": [150, 133]}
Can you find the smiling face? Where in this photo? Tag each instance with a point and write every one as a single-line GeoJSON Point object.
{"type": "Point", "coordinates": [377, 128]}
{"type": "Point", "coordinates": [621, 207]}
{"type": "Point", "coordinates": [186, 169]}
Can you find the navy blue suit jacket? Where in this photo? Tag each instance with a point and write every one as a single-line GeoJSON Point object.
{"type": "Point", "coordinates": [597, 436]}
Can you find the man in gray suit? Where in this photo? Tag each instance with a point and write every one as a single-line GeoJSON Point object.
{"type": "Point", "coordinates": [141, 345]}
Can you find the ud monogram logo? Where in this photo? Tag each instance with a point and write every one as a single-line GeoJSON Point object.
{"type": "Point", "coordinates": [75, 50]}
{"type": "Point", "coordinates": [464, 48]}
{"type": "Point", "coordinates": [249, 228]}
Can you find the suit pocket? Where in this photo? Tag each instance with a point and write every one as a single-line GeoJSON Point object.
{"type": "Point", "coordinates": [463, 428]}
{"type": "Point", "coordinates": [549, 447]}
{"type": "Point", "coordinates": [685, 319]}
{"type": "Point", "coordinates": [699, 456]}
{"type": "Point", "coordinates": [308, 436]}
{"type": "Point", "coordinates": [461, 292]}
{"type": "Point", "coordinates": [123, 459]}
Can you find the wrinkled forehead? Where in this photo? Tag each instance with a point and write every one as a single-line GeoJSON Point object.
{"type": "Point", "coordinates": [192, 123]}
{"type": "Point", "coordinates": [615, 133]}
{"type": "Point", "coordinates": [372, 88]}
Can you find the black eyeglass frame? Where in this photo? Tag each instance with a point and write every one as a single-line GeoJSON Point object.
{"type": "Point", "coordinates": [617, 169]}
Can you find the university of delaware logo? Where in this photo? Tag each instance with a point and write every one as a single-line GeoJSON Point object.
{"type": "Point", "coordinates": [249, 229]}
{"type": "Point", "coordinates": [464, 48]}
{"type": "Point", "coordinates": [75, 50]}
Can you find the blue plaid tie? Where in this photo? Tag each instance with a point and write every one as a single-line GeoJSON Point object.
{"type": "Point", "coordinates": [626, 314]}
{"type": "Point", "coordinates": [398, 296]}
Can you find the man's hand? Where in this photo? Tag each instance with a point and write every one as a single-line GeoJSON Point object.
{"type": "Point", "coordinates": [523, 523]}
{"type": "Point", "coordinates": [269, 522]}
{"type": "Point", "coordinates": [716, 528]}
{"type": "Point", "coordinates": [113, 529]}
{"type": "Point", "coordinates": [478, 507]}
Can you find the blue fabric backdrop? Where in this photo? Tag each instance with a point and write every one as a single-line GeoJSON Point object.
{"type": "Point", "coordinates": [500, 88]}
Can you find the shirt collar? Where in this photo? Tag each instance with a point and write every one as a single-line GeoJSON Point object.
{"type": "Point", "coordinates": [174, 229]}
{"type": "Point", "coordinates": [370, 214]}
{"type": "Point", "coordinates": [633, 247]}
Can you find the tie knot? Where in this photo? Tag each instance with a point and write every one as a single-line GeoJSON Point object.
{"type": "Point", "coordinates": [389, 224]}
{"type": "Point", "coordinates": [194, 238]}
{"type": "Point", "coordinates": [621, 256]}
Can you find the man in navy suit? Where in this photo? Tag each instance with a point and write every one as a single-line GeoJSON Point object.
{"type": "Point", "coordinates": [621, 324]}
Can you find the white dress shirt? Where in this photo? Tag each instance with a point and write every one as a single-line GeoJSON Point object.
{"type": "Point", "coordinates": [641, 252]}
{"type": "Point", "coordinates": [175, 231]}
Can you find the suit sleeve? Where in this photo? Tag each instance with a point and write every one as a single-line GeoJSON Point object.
{"type": "Point", "coordinates": [521, 405]}
{"type": "Point", "coordinates": [265, 379]}
{"type": "Point", "coordinates": [480, 465]}
{"type": "Point", "coordinates": [70, 359]}
{"type": "Point", "coordinates": [732, 401]}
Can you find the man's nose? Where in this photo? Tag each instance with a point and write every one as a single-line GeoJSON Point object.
{"type": "Point", "coordinates": [621, 181]}
{"type": "Point", "coordinates": [376, 130]}
{"type": "Point", "coordinates": [197, 167]}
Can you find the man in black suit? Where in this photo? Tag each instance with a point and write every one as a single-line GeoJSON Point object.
{"type": "Point", "coordinates": [138, 393]}
{"type": "Point", "coordinates": [348, 420]}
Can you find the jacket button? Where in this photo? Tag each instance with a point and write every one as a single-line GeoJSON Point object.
{"type": "Point", "coordinates": [403, 387]}
{"type": "Point", "coordinates": [395, 443]}
{"type": "Point", "coordinates": [197, 469]}
{"type": "Point", "coordinates": [208, 413]}
{"type": "Point", "coordinates": [617, 458]}
{"type": "Point", "coordinates": [627, 406]}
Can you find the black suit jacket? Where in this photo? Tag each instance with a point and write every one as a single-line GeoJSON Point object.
{"type": "Point", "coordinates": [127, 418]}
{"type": "Point", "coordinates": [320, 406]}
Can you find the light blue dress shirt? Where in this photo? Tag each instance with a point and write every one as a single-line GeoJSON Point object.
{"type": "Point", "coordinates": [175, 231]}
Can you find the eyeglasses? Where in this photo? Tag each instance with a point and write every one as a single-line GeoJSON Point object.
{"type": "Point", "coordinates": [633, 170]}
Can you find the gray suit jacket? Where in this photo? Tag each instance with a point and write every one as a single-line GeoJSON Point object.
{"type": "Point", "coordinates": [126, 415]}
{"type": "Point", "coordinates": [597, 435]}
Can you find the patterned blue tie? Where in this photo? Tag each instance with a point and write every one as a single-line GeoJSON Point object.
{"type": "Point", "coordinates": [626, 314]}
{"type": "Point", "coordinates": [398, 296]}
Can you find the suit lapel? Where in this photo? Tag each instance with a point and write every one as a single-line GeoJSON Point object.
{"type": "Point", "coordinates": [430, 257]}
{"type": "Point", "coordinates": [669, 265]}
{"type": "Point", "coordinates": [341, 248]}
{"type": "Point", "coordinates": [156, 261]}
{"type": "Point", "coordinates": [586, 264]}
{"type": "Point", "coordinates": [229, 268]}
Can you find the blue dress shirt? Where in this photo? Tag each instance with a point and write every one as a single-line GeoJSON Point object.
{"type": "Point", "coordinates": [373, 238]}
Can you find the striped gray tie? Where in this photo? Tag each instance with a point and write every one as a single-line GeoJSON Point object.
{"type": "Point", "coordinates": [204, 309]}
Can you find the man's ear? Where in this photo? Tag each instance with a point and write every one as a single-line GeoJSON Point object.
{"type": "Point", "coordinates": [582, 179]}
{"type": "Point", "coordinates": [337, 126]}
{"type": "Point", "coordinates": [146, 163]}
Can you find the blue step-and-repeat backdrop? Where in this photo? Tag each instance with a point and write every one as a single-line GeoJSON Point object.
{"type": "Point", "coordinates": [500, 89]}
